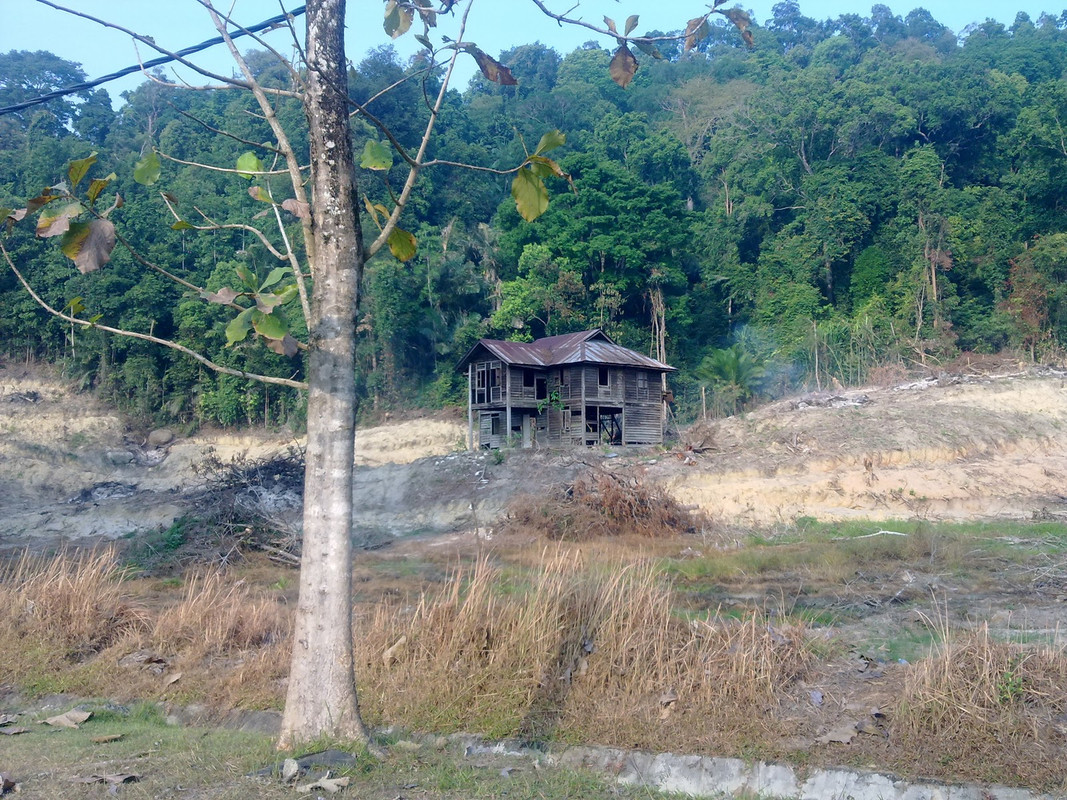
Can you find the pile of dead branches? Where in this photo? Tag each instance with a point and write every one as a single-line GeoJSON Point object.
{"type": "Point", "coordinates": [247, 504]}
{"type": "Point", "coordinates": [602, 503]}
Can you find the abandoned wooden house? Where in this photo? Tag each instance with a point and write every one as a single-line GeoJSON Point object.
{"type": "Point", "coordinates": [578, 388]}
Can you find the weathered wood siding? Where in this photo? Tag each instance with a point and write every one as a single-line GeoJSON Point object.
{"type": "Point", "coordinates": [642, 423]}
{"type": "Point", "coordinates": [486, 437]}
{"type": "Point", "coordinates": [559, 400]}
{"type": "Point", "coordinates": [604, 385]}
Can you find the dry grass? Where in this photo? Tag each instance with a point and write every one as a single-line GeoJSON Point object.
{"type": "Point", "coordinates": [579, 654]}
{"type": "Point", "coordinates": [997, 707]}
{"type": "Point", "coordinates": [217, 614]}
{"type": "Point", "coordinates": [75, 616]}
{"type": "Point", "coordinates": [601, 503]}
{"type": "Point", "coordinates": [577, 646]}
{"type": "Point", "coordinates": [76, 600]}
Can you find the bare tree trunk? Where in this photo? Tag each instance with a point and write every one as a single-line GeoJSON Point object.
{"type": "Point", "coordinates": [321, 697]}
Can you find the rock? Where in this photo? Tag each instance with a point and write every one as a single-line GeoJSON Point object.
{"type": "Point", "coordinates": [118, 457]}
{"type": "Point", "coordinates": [160, 437]}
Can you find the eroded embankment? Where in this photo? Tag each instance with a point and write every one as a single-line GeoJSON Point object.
{"type": "Point", "coordinates": [995, 448]}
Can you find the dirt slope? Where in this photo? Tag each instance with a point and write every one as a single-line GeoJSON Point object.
{"type": "Point", "coordinates": [959, 447]}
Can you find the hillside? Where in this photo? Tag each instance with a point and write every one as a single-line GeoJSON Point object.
{"type": "Point", "coordinates": [968, 446]}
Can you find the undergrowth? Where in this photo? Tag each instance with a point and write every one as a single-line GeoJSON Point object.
{"type": "Point", "coordinates": [997, 706]}
{"type": "Point", "coordinates": [577, 646]}
{"type": "Point", "coordinates": [602, 503]}
{"type": "Point", "coordinates": [583, 654]}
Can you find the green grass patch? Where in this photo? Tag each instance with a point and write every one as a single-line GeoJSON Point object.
{"type": "Point", "coordinates": [195, 761]}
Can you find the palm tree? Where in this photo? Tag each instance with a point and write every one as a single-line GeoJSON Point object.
{"type": "Point", "coordinates": [734, 374]}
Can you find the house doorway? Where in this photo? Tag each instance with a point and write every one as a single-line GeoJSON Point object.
{"type": "Point", "coordinates": [603, 425]}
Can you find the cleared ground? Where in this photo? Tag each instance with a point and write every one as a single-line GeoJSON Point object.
{"type": "Point", "coordinates": [872, 528]}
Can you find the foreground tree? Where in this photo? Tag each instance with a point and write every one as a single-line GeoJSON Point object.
{"type": "Point", "coordinates": [321, 697]}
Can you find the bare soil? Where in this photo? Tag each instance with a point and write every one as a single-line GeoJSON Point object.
{"type": "Point", "coordinates": [956, 447]}
{"type": "Point", "coordinates": [976, 445]}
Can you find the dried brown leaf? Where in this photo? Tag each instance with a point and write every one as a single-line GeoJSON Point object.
{"type": "Point", "coordinates": [286, 346]}
{"type": "Point", "coordinates": [297, 208]}
{"type": "Point", "coordinates": [70, 719]}
{"type": "Point", "coordinates": [89, 244]}
{"type": "Point", "coordinates": [623, 66]}
{"type": "Point", "coordinates": [492, 69]}
{"type": "Point", "coordinates": [331, 785]}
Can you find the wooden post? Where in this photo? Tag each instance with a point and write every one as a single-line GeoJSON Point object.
{"type": "Point", "coordinates": [703, 402]}
{"type": "Point", "coordinates": [470, 406]}
{"type": "Point", "coordinates": [582, 429]}
{"type": "Point", "coordinates": [507, 402]}
{"type": "Point", "coordinates": [815, 330]}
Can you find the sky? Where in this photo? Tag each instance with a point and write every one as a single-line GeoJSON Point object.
{"type": "Point", "coordinates": [494, 25]}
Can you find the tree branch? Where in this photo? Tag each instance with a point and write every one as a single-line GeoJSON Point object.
{"type": "Point", "coordinates": [415, 168]}
{"type": "Point", "coordinates": [297, 80]}
{"type": "Point", "coordinates": [566, 18]}
{"type": "Point", "coordinates": [218, 226]}
{"type": "Point", "coordinates": [286, 147]}
{"type": "Point", "coordinates": [148, 40]}
{"type": "Point", "coordinates": [236, 138]}
{"type": "Point", "coordinates": [84, 323]}
{"type": "Point", "coordinates": [240, 172]}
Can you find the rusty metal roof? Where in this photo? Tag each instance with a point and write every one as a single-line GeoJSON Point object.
{"type": "Point", "coordinates": [585, 347]}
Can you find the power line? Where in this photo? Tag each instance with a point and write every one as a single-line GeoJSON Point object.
{"type": "Point", "coordinates": [155, 62]}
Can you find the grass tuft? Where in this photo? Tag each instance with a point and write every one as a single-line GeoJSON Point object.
{"type": "Point", "coordinates": [995, 705]}
{"type": "Point", "coordinates": [590, 653]}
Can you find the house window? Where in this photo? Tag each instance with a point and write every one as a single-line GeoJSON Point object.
{"type": "Point", "coordinates": [495, 426]}
{"type": "Point", "coordinates": [642, 380]}
{"type": "Point", "coordinates": [541, 393]}
{"type": "Point", "coordinates": [603, 376]}
{"type": "Point", "coordinates": [528, 376]}
{"type": "Point", "coordinates": [479, 384]}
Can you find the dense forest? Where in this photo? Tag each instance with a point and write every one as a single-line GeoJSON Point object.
{"type": "Point", "coordinates": [842, 196]}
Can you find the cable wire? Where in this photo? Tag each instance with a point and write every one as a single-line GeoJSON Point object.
{"type": "Point", "coordinates": [155, 62]}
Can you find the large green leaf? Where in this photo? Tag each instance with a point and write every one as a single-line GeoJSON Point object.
{"type": "Point", "coordinates": [78, 169]}
{"type": "Point", "coordinates": [248, 164]}
{"type": "Point", "coordinates": [402, 244]}
{"type": "Point", "coordinates": [273, 277]}
{"type": "Point", "coordinates": [147, 170]}
{"type": "Point", "coordinates": [376, 156]}
{"type": "Point", "coordinates": [550, 141]}
{"type": "Point", "coordinates": [269, 326]}
{"type": "Point", "coordinates": [239, 326]}
{"type": "Point", "coordinates": [246, 275]}
{"type": "Point", "coordinates": [531, 196]}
